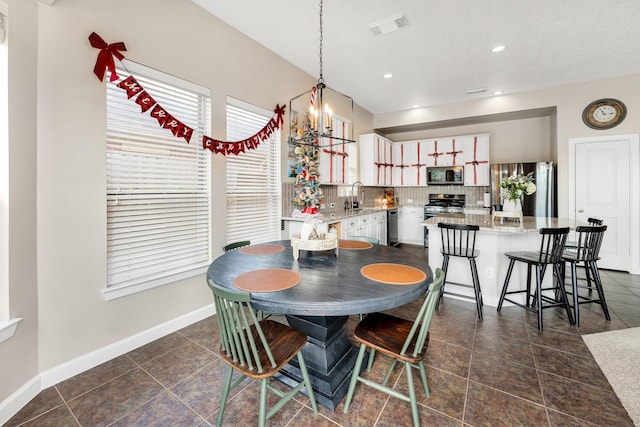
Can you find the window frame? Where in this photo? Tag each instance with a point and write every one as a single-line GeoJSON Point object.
{"type": "Point", "coordinates": [118, 290]}
{"type": "Point", "coordinates": [235, 222]}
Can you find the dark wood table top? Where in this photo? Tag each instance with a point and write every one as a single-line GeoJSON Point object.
{"type": "Point", "coordinates": [330, 285]}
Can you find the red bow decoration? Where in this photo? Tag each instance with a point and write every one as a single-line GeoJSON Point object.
{"type": "Point", "coordinates": [105, 57]}
{"type": "Point", "coordinates": [279, 110]}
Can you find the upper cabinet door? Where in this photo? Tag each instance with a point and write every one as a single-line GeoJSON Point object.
{"type": "Point", "coordinates": [436, 149]}
{"type": "Point", "coordinates": [403, 157]}
{"type": "Point", "coordinates": [334, 156]}
{"type": "Point", "coordinates": [376, 160]}
{"type": "Point", "coordinates": [455, 152]}
{"type": "Point", "coordinates": [476, 159]}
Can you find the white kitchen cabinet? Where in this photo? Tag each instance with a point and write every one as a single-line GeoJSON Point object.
{"type": "Point", "coordinates": [410, 228]}
{"type": "Point", "coordinates": [378, 226]}
{"type": "Point", "coordinates": [454, 151]}
{"type": "Point", "coordinates": [404, 157]}
{"type": "Point", "coordinates": [358, 226]}
{"type": "Point", "coordinates": [367, 225]}
{"type": "Point", "coordinates": [334, 156]}
{"type": "Point", "coordinates": [349, 227]}
{"type": "Point", "coordinates": [476, 163]}
{"type": "Point", "coordinates": [437, 149]}
{"type": "Point", "coordinates": [375, 160]}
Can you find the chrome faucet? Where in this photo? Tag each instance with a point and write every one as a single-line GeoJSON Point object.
{"type": "Point", "coordinates": [353, 196]}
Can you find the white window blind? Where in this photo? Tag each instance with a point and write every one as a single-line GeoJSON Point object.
{"type": "Point", "coordinates": [253, 178]}
{"type": "Point", "coordinates": [158, 186]}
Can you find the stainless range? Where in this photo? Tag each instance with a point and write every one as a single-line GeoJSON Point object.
{"type": "Point", "coordinates": [442, 203]}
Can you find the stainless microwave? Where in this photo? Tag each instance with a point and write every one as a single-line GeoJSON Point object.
{"type": "Point", "coordinates": [445, 175]}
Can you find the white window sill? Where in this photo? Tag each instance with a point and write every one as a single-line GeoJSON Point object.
{"type": "Point", "coordinates": [7, 329]}
{"type": "Point", "coordinates": [115, 292]}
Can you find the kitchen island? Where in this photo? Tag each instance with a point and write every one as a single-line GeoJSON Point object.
{"type": "Point", "coordinates": [492, 240]}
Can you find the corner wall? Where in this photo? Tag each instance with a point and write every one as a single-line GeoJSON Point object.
{"type": "Point", "coordinates": [19, 354]}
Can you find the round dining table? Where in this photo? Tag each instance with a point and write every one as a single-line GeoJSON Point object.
{"type": "Point", "coordinates": [317, 293]}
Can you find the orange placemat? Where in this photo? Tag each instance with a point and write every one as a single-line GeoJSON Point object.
{"type": "Point", "coordinates": [261, 249]}
{"type": "Point", "coordinates": [266, 280]}
{"type": "Point", "coordinates": [354, 244]}
{"type": "Point", "coordinates": [393, 274]}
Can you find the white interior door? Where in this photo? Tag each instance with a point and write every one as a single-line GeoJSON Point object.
{"type": "Point", "coordinates": [602, 190]}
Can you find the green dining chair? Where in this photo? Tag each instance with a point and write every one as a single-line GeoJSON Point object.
{"type": "Point", "coordinates": [256, 349]}
{"type": "Point", "coordinates": [402, 340]}
{"type": "Point", "coordinates": [236, 245]}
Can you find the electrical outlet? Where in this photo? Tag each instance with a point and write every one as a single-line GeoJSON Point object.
{"type": "Point", "coordinates": [410, 201]}
{"type": "Point", "coordinates": [489, 272]}
{"type": "Point", "coordinates": [332, 205]}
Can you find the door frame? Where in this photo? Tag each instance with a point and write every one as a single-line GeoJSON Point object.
{"type": "Point", "coordinates": [634, 187]}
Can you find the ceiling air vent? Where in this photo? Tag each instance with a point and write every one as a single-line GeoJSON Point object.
{"type": "Point", "coordinates": [477, 90]}
{"type": "Point", "coordinates": [388, 25]}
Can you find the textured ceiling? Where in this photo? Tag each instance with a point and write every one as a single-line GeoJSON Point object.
{"type": "Point", "coordinates": [445, 49]}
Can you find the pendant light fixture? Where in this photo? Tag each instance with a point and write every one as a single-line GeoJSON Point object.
{"type": "Point", "coordinates": [321, 116]}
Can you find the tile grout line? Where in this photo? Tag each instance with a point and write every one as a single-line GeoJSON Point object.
{"type": "Point", "coordinates": [168, 390]}
{"type": "Point", "coordinates": [66, 404]}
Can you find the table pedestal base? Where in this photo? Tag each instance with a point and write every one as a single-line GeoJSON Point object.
{"type": "Point", "coordinates": [329, 357]}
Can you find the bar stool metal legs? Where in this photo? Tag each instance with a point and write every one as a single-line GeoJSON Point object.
{"type": "Point", "coordinates": [587, 251]}
{"type": "Point", "coordinates": [551, 248]}
{"type": "Point", "coordinates": [458, 240]}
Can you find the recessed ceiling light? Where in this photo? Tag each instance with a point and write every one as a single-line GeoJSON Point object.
{"type": "Point", "coordinates": [415, 106]}
{"type": "Point", "coordinates": [477, 90]}
{"type": "Point", "coordinates": [499, 48]}
{"type": "Point", "coordinates": [387, 75]}
{"type": "Point", "coordinates": [498, 92]}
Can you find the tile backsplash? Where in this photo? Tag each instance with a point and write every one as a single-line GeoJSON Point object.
{"type": "Point", "coordinates": [407, 196]}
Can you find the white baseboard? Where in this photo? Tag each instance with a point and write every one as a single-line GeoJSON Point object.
{"type": "Point", "coordinates": [10, 406]}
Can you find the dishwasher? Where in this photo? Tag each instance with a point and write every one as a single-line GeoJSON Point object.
{"type": "Point", "coordinates": [392, 226]}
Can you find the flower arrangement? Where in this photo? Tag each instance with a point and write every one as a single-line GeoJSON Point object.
{"type": "Point", "coordinates": [515, 187]}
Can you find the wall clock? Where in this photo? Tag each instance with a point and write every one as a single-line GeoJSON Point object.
{"type": "Point", "coordinates": [604, 113]}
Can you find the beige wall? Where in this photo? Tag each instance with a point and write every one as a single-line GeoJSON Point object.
{"type": "Point", "coordinates": [71, 171]}
{"type": "Point", "coordinates": [570, 100]}
{"type": "Point", "coordinates": [19, 355]}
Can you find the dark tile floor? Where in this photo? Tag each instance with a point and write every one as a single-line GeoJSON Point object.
{"type": "Point", "coordinates": [496, 372]}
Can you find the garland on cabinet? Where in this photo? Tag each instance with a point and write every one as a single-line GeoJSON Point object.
{"type": "Point", "coordinates": [132, 87]}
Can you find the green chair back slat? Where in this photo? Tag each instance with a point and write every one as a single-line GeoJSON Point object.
{"type": "Point", "coordinates": [236, 245]}
{"type": "Point", "coordinates": [365, 239]}
{"type": "Point", "coordinates": [425, 315]}
{"type": "Point", "coordinates": [236, 329]}
{"type": "Point", "coordinates": [245, 348]}
{"type": "Point", "coordinates": [373, 331]}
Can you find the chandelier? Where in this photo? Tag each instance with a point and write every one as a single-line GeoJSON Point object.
{"type": "Point", "coordinates": [321, 116]}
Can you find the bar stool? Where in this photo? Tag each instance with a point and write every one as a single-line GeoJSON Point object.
{"type": "Point", "coordinates": [550, 253]}
{"type": "Point", "coordinates": [587, 251]}
{"type": "Point", "coordinates": [592, 222]}
{"type": "Point", "coordinates": [459, 240]}
{"type": "Point", "coordinates": [574, 244]}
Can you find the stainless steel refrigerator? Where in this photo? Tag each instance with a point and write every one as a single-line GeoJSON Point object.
{"type": "Point", "coordinates": [544, 201]}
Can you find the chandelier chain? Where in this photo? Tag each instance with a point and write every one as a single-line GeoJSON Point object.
{"type": "Point", "coordinates": [321, 79]}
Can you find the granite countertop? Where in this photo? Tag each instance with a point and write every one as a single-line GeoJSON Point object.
{"type": "Point", "coordinates": [530, 224]}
